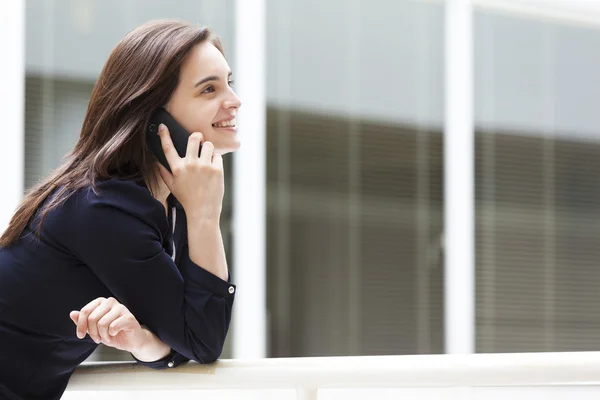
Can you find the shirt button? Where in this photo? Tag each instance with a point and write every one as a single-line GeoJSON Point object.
{"type": "Point", "coordinates": [231, 289]}
{"type": "Point", "coordinates": [171, 364]}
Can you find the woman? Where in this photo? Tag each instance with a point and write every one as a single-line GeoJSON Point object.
{"type": "Point", "coordinates": [112, 247]}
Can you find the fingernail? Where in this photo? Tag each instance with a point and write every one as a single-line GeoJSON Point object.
{"type": "Point", "coordinates": [79, 335]}
{"type": "Point", "coordinates": [161, 128]}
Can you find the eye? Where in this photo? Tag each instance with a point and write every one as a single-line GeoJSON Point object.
{"type": "Point", "coordinates": [231, 82]}
{"type": "Point", "coordinates": [209, 89]}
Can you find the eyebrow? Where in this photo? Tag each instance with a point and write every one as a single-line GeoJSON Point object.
{"type": "Point", "coordinates": [210, 78]}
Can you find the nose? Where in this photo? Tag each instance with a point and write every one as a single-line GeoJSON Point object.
{"type": "Point", "coordinates": [232, 101]}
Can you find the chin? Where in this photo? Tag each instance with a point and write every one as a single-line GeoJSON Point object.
{"type": "Point", "coordinates": [234, 147]}
{"type": "Point", "coordinates": [227, 150]}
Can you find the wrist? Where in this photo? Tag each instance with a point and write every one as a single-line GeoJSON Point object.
{"type": "Point", "coordinates": [149, 347]}
{"type": "Point", "coordinates": [202, 220]}
{"type": "Point", "coordinates": [144, 338]}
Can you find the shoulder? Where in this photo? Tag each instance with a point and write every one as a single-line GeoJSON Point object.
{"type": "Point", "coordinates": [119, 193]}
{"type": "Point", "coordinates": [116, 198]}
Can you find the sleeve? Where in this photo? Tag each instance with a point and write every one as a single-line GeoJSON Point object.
{"type": "Point", "coordinates": [188, 310]}
{"type": "Point", "coordinates": [171, 360]}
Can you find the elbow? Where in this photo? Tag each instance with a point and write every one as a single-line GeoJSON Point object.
{"type": "Point", "coordinates": [207, 351]}
{"type": "Point", "coordinates": [208, 355]}
{"type": "Point", "coordinates": [206, 337]}
{"type": "Point", "coordinates": [211, 357]}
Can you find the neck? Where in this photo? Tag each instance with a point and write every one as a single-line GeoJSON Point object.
{"type": "Point", "coordinates": [161, 191]}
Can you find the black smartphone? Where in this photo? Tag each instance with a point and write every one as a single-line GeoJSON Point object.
{"type": "Point", "coordinates": [179, 136]}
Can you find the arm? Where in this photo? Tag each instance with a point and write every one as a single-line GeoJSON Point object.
{"type": "Point", "coordinates": [210, 254]}
{"type": "Point", "coordinates": [198, 184]}
{"type": "Point", "coordinates": [206, 246]}
{"type": "Point", "coordinates": [120, 236]}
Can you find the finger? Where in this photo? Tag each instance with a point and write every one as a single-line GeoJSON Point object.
{"type": "Point", "coordinates": [97, 315]}
{"type": "Point", "coordinates": [167, 146]}
{"type": "Point", "coordinates": [105, 322]}
{"type": "Point", "coordinates": [74, 315]}
{"type": "Point", "coordinates": [166, 176]}
{"type": "Point", "coordinates": [124, 322]}
{"type": "Point", "coordinates": [82, 323]}
{"type": "Point", "coordinates": [217, 161]}
{"type": "Point", "coordinates": [193, 146]}
{"type": "Point", "coordinates": [206, 154]}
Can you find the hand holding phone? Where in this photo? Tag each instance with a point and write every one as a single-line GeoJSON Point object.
{"type": "Point", "coordinates": [179, 136]}
{"type": "Point", "coordinates": [193, 173]}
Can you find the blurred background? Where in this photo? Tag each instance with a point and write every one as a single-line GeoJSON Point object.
{"type": "Point", "coordinates": [355, 100]}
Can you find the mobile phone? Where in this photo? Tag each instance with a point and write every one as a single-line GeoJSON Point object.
{"type": "Point", "coordinates": [179, 136]}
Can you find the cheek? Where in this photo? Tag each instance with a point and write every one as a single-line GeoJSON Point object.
{"type": "Point", "coordinates": [204, 117]}
{"type": "Point", "coordinates": [196, 119]}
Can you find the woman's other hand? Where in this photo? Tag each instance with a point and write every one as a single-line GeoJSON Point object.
{"type": "Point", "coordinates": [109, 322]}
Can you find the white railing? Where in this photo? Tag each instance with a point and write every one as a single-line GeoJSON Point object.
{"type": "Point", "coordinates": [440, 377]}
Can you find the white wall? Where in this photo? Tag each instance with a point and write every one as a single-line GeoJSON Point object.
{"type": "Point", "coordinates": [12, 81]}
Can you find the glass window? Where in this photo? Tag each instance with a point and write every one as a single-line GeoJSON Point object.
{"type": "Point", "coordinates": [537, 184]}
{"type": "Point", "coordinates": [355, 212]}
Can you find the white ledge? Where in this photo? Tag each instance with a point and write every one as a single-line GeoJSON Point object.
{"type": "Point", "coordinates": [522, 369]}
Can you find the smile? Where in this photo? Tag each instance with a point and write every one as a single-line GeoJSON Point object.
{"type": "Point", "coordinates": [225, 124]}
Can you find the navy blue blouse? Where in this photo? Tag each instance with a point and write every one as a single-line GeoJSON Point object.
{"type": "Point", "coordinates": [117, 243]}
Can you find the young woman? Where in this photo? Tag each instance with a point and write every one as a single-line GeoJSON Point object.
{"type": "Point", "coordinates": [114, 248]}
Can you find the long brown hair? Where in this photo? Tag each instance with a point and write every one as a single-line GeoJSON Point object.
{"type": "Point", "coordinates": [139, 76]}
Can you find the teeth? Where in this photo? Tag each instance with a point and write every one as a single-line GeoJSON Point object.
{"type": "Point", "coordinates": [225, 124]}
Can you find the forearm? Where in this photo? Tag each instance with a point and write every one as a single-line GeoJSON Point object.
{"type": "Point", "coordinates": [206, 247]}
{"type": "Point", "coordinates": [151, 348]}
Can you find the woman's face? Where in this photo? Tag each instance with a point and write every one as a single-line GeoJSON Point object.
{"type": "Point", "coordinates": [204, 100]}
